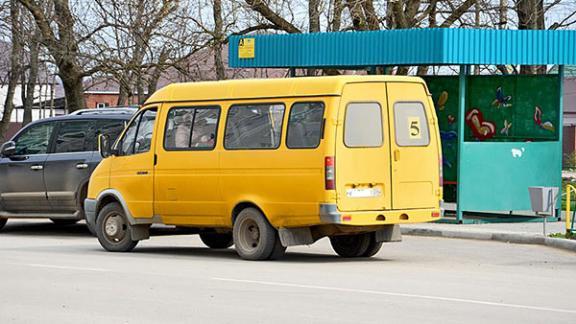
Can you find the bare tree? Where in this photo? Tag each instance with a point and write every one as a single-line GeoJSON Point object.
{"type": "Point", "coordinates": [15, 65]}
{"type": "Point", "coordinates": [62, 41]}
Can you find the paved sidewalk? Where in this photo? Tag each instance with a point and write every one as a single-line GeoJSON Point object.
{"type": "Point", "coordinates": [522, 233]}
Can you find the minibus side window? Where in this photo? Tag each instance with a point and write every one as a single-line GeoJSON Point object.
{"type": "Point", "coordinates": [411, 124]}
{"type": "Point", "coordinates": [254, 126]}
{"type": "Point", "coordinates": [191, 128]}
{"type": "Point", "coordinates": [305, 125]}
{"type": "Point", "coordinates": [363, 125]}
{"type": "Point", "coordinates": [145, 130]}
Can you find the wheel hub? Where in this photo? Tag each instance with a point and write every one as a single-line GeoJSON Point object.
{"type": "Point", "coordinates": [114, 228]}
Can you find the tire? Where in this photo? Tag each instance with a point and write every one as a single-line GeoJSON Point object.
{"type": "Point", "coordinates": [373, 247]}
{"type": "Point", "coordinates": [350, 246]}
{"type": "Point", "coordinates": [64, 222]}
{"type": "Point", "coordinates": [113, 229]}
{"type": "Point", "coordinates": [217, 240]}
{"type": "Point", "coordinates": [3, 222]}
{"type": "Point", "coordinates": [255, 238]}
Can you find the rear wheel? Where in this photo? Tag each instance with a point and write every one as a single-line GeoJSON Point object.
{"type": "Point", "coordinates": [373, 247]}
{"type": "Point", "coordinates": [3, 222]}
{"type": "Point", "coordinates": [351, 246]}
{"type": "Point", "coordinates": [255, 238]}
{"type": "Point", "coordinates": [113, 229]}
{"type": "Point", "coordinates": [217, 240]}
{"type": "Point", "coordinates": [64, 222]}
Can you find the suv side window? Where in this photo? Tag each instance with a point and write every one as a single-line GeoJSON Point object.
{"type": "Point", "coordinates": [72, 136]}
{"type": "Point", "coordinates": [112, 127]}
{"type": "Point", "coordinates": [35, 139]}
{"type": "Point", "coordinates": [138, 136]}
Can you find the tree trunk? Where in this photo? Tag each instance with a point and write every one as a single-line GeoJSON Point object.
{"type": "Point", "coordinates": [336, 23]}
{"type": "Point", "coordinates": [314, 23]}
{"type": "Point", "coordinates": [218, 40]}
{"type": "Point", "coordinates": [15, 67]}
{"type": "Point", "coordinates": [530, 16]}
{"type": "Point", "coordinates": [63, 46]}
{"type": "Point", "coordinates": [32, 79]}
{"type": "Point", "coordinates": [73, 88]}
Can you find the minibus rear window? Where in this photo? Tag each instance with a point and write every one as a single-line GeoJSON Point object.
{"type": "Point", "coordinates": [411, 124]}
{"type": "Point", "coordinates": [254, 126]}
{"type": "Point", "coordinates": [363, 125]}
{"type": "Point", "coordinates": [305, 125]}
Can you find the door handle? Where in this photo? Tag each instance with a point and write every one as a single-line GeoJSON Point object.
{"type": "Point", "coordinates": [396, 155]}
{"type": "Point", "coordinates": [81, 166]}
{"type": "Point", "coordinates": [36, 167]}
{"type": "Point", "coordinates": [141, 172]}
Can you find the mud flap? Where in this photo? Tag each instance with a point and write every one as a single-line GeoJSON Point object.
{"type": "Point", "coordinates": [390, 233]}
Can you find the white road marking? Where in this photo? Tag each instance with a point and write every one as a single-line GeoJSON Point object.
{"type": "Point", "coordinates": [59, 267]}
{"type": "Point", "coordinates": [377, 292]}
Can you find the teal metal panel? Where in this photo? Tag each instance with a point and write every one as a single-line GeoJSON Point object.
{"type": "Point", "coordinates": [409, 47]}
{"type": "Point", "coordinates": [496, 176]}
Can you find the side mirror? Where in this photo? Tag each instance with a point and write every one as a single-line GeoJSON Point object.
{"type": "Point", "coordinates": [8, 149]}
{"type": "Point", "coordinates": [104, 146]}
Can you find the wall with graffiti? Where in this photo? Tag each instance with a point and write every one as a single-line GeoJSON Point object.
{"type": "Point", "coordinates": [517, 108]}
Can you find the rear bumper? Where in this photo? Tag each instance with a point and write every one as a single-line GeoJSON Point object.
{"type": "Point", "coordinates": [329, 214]}
{"type": "Point", "coordinates": [90, 211]}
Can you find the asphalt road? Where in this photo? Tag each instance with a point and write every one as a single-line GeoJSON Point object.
{"type": "Point", "coordinates": [52, 274]}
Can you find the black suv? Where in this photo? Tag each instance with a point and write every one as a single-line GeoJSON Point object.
{"type": "Point", "coordinates": [45, 168]}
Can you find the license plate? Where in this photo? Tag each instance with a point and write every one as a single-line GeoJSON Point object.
{"type": "Point", "coordinates": [363, 192]}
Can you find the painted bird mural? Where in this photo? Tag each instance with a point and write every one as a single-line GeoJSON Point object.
{"type": "Point", "coordinates": [501, 100]}
{"type": "Point", "coordinates": [547, 125]}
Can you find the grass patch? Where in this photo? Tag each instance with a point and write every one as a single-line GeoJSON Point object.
{"type": "Point", "coordinates": [569, 236]}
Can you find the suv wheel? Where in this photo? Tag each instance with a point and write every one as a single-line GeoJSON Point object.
{"type": "Point", "coordinates": [255, 238]}
{"type": "Point", "coordinates": [113, 229]}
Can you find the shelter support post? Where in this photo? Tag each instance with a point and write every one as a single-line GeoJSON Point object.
{"type": "Point", "coordinates": [560, 124]}
{"type": "Point", "coordinates": [462, 86]}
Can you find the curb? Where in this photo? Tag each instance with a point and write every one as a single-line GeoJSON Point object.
{"type": "Point", "coordinates": [564, 244]}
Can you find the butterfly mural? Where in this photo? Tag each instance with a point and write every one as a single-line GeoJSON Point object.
{"type": "Point", "coordinates": [547, 125]}
{"type": "Point", "coordinates": [481, 129]}
{"type": "Point", "coordinates": [506, 129]}
{"type": "Point", "coordinates": [501, 100]}
{"type": "Point", "coordinates": [441, 103]}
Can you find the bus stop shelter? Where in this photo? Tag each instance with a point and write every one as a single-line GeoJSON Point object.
{"type": "Point", "coordinates": [500, 133]}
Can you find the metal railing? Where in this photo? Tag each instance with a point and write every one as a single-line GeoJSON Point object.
{"type": "Point", "coordinates": [569, 218]}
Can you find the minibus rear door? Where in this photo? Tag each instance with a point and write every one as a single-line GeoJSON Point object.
{"type": "Point", "coordinates": [362, 162]}
{"type": "Point", "coordinates": [415, 155]}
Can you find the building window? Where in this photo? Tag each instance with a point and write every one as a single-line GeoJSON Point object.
{"type": "Point", "coordinates": [102, 105]}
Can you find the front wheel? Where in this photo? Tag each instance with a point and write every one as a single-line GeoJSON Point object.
{"type": "Point", "coordinates": [113, 229]}
{"type": "Point", "coordinates": [255, 238]}
{"type": "Point", "coordinates": [217, 240]}
{"type": "Point", "coordinates": [3, 222]}
{"type": "Point", "coordinates": [355, 245]}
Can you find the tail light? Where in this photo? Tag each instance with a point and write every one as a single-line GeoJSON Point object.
{"type": "Point", "coordinates": [329, 173]}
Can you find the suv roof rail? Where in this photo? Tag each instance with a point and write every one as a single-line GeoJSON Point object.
{"type": "Point", "coordinates": [106, 111]}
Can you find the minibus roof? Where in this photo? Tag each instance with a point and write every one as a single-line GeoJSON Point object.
{"type": "Point", "coordinates": [266, 88]}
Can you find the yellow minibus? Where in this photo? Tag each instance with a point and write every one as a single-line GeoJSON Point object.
{"type": "Point", "coordinates": [267, 164]}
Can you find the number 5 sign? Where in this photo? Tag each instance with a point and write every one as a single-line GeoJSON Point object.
{"type": "Point", "coordinates": [414, 128]}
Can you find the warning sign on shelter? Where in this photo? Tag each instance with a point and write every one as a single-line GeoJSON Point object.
{"type": "Point", "coordinates": [246, 48]}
